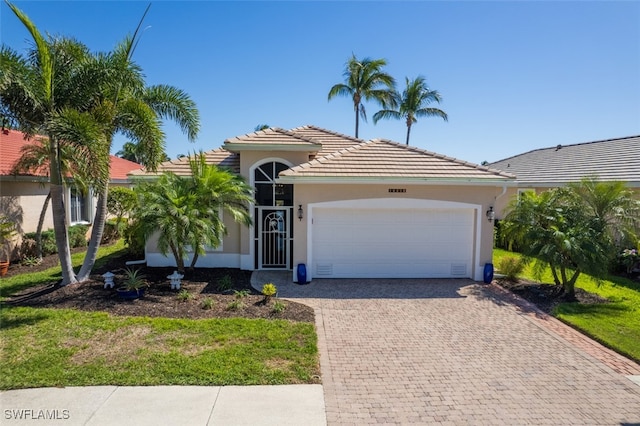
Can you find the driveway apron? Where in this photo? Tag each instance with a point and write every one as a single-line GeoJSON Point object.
{"type": "Point", "coordinates": [452, 352]}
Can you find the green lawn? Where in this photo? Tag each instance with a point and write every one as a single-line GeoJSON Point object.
{"type": "Point", "coordinates": [20, 282]}
{"type": "Point", "coordinates": [615, 324]}
{"type": "Point", "coordinates": [62, 347]}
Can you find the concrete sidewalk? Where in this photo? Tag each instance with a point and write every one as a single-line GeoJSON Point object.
{"type": "Point", "coordinates": [165, 405]}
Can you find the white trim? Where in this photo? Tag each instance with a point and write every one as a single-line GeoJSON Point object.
{"type": "Point", "coordinates": [210, 260]}
{"type": "Point", "coordinates": [397, 181]}
{"type": "Point", "coordinates": [393, 203]}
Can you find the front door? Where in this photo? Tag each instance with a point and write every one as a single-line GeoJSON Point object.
{"type": "Point", "coordinates": [273, 237]}
{"type": "Point", "coordinates": [275, 241]}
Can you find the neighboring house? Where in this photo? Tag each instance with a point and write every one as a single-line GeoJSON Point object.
{"type": "Point", "coordinates": [541, 169]}
{"type": "Point", "coordinates": [22, 196]}
{"type": "Point", "coordinates": [350, 208]}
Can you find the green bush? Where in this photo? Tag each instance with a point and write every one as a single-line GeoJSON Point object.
{"type": "Point", "coordinates": [225, 284]}
{"type": "Point", "coordinates": [78, 235]}
{"type": "Point", "coordinates": [511, 267]}
{"type": "Point", "coordinates": [134, 238]}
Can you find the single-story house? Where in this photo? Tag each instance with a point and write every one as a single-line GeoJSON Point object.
{"type": "Point", "coordinates": [22, 196]}
{"type": "Point", "coordinates": [350, 208]}
{"type": "Point", "coordinates": [545, 168]}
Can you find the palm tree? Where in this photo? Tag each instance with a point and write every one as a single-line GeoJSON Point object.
{"type": "Point", "coordinates": [261, 127]}
{"type": "Point", "coordinates": [185, 210]}
{"type": "Point", "coordinates": [413, 104]}
{"type": "Point", "coordinates": [47, 93]}
{"type": "Point", "coordinates": [129, 107]}
{"type": "Point", "coordinates": [365, 80]}
{"type": "Point", "coordinates": [35, 158]}
{"type": "Point", "coordinates": [613, 205]}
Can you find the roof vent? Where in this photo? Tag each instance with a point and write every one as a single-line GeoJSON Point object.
{"type": "Point", "coordinates": [559, 147]}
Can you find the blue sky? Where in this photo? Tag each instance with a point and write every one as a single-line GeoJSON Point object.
{"type": "Point", "coordinates": [514, 76]}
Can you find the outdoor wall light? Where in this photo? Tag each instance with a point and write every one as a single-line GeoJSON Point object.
{"type": "Point", "coordinates": [491, 215]}
{"type": "Point", "coordinates": [300, 212]}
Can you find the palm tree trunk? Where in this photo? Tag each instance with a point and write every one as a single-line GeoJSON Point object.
{"type": "Point", "coordinates": [43, 213]}
{"type": "Point", "coordinates": [408, 132]}
{"type": "Point", "coordinates": [357, 119]}
{"type": "Point", "coordinates": [96, 235]}
{"type": "Point", "coordinates": [60, 217]}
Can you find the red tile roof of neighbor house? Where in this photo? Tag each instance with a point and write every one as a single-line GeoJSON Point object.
{"type": "Point", "coordinates": [12, 141]}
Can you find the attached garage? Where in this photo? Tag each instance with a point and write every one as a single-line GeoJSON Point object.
{"type": "Point", "coordinates": [375, 239]}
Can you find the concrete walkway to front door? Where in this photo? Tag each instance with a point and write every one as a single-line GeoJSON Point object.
{"type": "Point", "coordinates": [452, 352]}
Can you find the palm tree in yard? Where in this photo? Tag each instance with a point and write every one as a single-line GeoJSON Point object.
{"type": "Point", "coordinates": [185, 211]}
{"type": "Point", "coordinates": [35, 158]}
{"type": "Point", "coordinates": [128, 106]}
{"type": "Point", "coordinates": [365, 80]}
{"type": "Point", "coordinates": [412, 104]}
{"type": "Point", "coordinates": [48, 93]}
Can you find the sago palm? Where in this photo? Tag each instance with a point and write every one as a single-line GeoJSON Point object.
{"type": "Point", "coordinates": [413, 104]}
{"type": "Point", "coordinates": [365, 80]}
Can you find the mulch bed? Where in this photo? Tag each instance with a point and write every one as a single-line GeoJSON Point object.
{"type": "Point", "coordinates": [159, 300]}
{"type": "Point", "coordinates": [546, 297]}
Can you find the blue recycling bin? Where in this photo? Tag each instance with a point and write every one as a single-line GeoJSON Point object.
{"type": "Point", "coordinates": [302, 273]}
{"type": "Point", "coordinates": [488, 273]}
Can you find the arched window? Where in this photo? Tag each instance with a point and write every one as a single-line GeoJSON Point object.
{"type": "Point", "coordinates": [269, 193]}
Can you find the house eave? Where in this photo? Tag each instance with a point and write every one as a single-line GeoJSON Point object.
{"type": "Point", "coordinates": [397, 180]}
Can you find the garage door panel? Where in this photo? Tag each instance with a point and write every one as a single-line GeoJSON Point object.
{"type": "Point", "coordinates": [403, 243]}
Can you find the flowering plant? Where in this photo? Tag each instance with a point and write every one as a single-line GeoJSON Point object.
{"type": "Point", "coordinates": [629, 258]}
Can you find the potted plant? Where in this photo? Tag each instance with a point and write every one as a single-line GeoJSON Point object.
{"type": "Point", "coordinates": [133, 285]}
{"type": "Point", "coordinates": [7, 231]}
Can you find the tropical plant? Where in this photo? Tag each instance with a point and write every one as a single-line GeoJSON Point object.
{"type": "Point", "coordinates": [133, 279]}
{"type": "Point", "coordinates": [261, 127]}
{"type": "Point", "coordinates": [185, 211]}
{"type": "Point", "coordinates": [135, 152]}
{"type": "Point", "coordinates": [49, 93]}
{"type": "Point", "coordinates": [269, 290]}
{"type": "Point", "coordinates": [412, 104]}
{"type": "Point", "coordinates": [129, 107]}
{"type": "Point", "coordinates": [7, 231]}
{"type": "Point", "coordinates": [511, 267]}
{"type": "Point", "coordinates": [365, 80]}
{"type": "Point", "coordinates": [560, 229]}
{"type": "Point", "coordinates": [613, 205]}
{"type": "Point", "coordinates": [34, 159]}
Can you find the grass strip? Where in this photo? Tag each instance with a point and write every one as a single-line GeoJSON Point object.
{"type": "Point", "coordinates": [63, 347]}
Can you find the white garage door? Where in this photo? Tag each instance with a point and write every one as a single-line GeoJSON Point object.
{"type": "Point", "coordinates": [392, 243]}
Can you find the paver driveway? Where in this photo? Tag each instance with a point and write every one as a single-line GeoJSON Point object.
{"type": "Point", "coordinates": [450, 351]}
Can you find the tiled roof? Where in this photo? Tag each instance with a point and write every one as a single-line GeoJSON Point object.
{"type": "Point", "coordinates": [120, 168]}
{"type": "Point", "coordinates": [272, 137]}
{"type": "Point", "coordinates": [12, 141]}
{"type": "Point", "coordinates": [219, 157]}
{"type": "Point", "coordinates": [331, 141]}
{"type": "Point", "coordinates": [386, 159]}
{"type": "Point", "coordinates": [611, 159]}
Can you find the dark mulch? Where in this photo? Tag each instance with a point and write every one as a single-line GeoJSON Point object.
{"type": "Point", "coordinates": [159, 300]}
{"type": "Point", "coordinates": [546, 297]}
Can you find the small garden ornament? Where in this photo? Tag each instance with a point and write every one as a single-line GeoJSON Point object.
{"type": "Point", "coordinates": [108, 279]}
{"type": "Point", "coordinates": [175, 280]}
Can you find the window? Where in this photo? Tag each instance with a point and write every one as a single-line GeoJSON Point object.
{"type": "Point", "coordinates": [79, 206]}
{"type": "Point", "coordinates": [268, 193]}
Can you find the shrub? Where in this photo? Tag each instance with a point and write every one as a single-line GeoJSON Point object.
{"type": "Point", "coordinates": [511, 267]}
{"type": "Point", "coordinates": [269, 289]}
{"type": "Point", "coordinates": [278, 307]}
{"type": "Point", "coordinates": [134, 238]}
{"type": "Point", "coordinates": [225, 284]}
{"type": "Point", "coordinates": [207, 303]}
{"type": "Point", "coordinates": [235, 305]}
{"type": "Point", "coordinates": [184, 295]}
{"type": "Point", "coordinates": [133, 279]}
{"type": "Point", "coordinates": [78, 235]}
{"type": "Point", "coordinates": [241, 294]}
